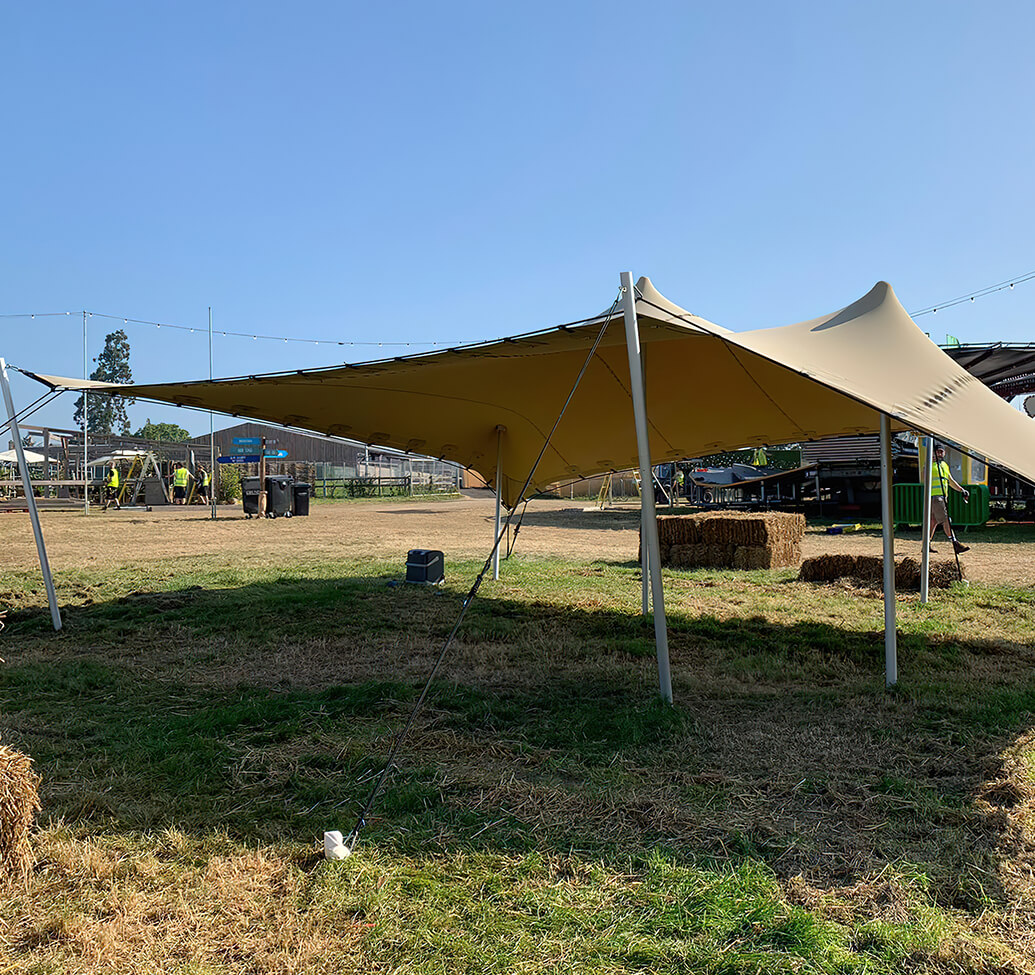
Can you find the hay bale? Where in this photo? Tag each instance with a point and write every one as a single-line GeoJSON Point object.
{"type": "Point", "coordinates": [748, 557]}
{"type": "Point", "coordinates": [826, 568]}
{"type": "Point", "coordinates": [697, 555]}
{"type": "Point", "coordinates": [677, 530]}
{"type": "Point", "coordinates": [907, 574]}
{"type": "Point", "coordinates": [720, 556]}
{"type": "Point", "coordinates": [869, 570]}
{"type": "Point", "coordinates": [766, 557]}
{"type": "Point", "coordinates": [941, 574]}
{"type": "Point", "coordinates": [711, 539]}
{"type": "Point", "coordinates": [944, 573]}
{"type": "Point", "coordinates": [844, 565]}
{"type": "Point", "coordinates": [19, 803]}
{"type": "Point", "coordinates": [752, 529]}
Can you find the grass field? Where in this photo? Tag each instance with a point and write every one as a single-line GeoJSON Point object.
{"type": "Point", "coordinates": [222, 695]}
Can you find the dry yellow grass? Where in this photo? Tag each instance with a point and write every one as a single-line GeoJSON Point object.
{"type": "Point", "coordinates": [170, 903]}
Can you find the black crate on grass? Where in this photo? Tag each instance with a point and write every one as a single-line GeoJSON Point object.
{"type": "Point", "coordinates": [425, 565]}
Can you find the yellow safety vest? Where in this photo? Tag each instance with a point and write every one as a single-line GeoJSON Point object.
{"type": "Point", "coordinates": [205, 480]}
{"type": "Point", "coordinates": [113, 479]}
{"type": "Point", "coordinates": [760, 459]}
{"type": "Point", "coordinates": [180, 476]}
{"type": "Point", "coordinates": [937, 489]}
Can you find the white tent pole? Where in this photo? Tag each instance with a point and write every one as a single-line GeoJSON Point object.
{"type": "Point", "coordinates": [211, 429]}
{"type": "Point", "coordinates": [644, 562]}
{"type": "Point", "coordinates": [499, 498]}
{"type": "Point", "coordinates": [925, 537]}
{"type": "Point", "coordinates": [890, 646]}
{"type": "Point", "coordinates": [86, 418]}
{"type": "Point", "coordinates": [30, 498]}
{"type": "Point", "coordinates": [649, 516]}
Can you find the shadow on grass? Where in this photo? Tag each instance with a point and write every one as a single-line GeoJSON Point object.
{"type": "Point", "coordinates": [783, 744]}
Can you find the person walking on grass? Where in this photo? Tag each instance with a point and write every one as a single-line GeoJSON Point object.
{"type": "Point", "coordinates": [203, 481]}
{"type": "Point", "coordinates": [941, 481]}
{"type": "Point", "coordinates": [111, 488]}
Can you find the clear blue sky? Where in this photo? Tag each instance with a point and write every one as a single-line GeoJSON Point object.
{"type": "Point", "coordinates": [417, 172]}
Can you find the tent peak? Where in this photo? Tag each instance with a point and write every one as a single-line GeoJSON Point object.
{"type": "Point", "coordinates": [651, 303]}
{"type": "Point", "coordinates": [878, 295]}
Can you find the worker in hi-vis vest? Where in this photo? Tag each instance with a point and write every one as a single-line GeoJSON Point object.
{"type": "Point", "coordinates": [941, 481]}
{"type": "Point", "coordinates": [677, 484]}
{"type": "Point", "coordinates": [111, 488]}
{"type": "Point", "coordinates": [181, 477]}
{"type": "Point", "coordinates": [203, 484]}
{"type": "Point", "coordinates": [760, 458]}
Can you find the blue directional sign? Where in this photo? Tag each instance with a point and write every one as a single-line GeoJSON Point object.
{"type": "Point", "coordinates": [239, 459]}
{"type": "Point", "coordinates": [251, 441]}
{"type": "Point", "coordinates": [276, 454]}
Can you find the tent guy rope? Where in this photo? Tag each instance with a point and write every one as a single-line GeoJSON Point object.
{"type": "Point", "coordinates": [353, 837]}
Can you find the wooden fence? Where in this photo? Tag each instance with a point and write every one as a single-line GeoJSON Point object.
{"type": "Point", "coordinates": [372, 487]}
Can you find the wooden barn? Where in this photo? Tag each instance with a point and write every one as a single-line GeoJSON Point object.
{"type": "Point", "coordinates": [307, 448]}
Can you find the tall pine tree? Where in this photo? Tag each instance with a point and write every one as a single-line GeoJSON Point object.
{"type": "Point", "coordinates": [108, 413]}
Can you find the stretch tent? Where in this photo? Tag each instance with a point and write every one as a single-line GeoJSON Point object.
{"type": "Point", "coordinates": [707, 389]}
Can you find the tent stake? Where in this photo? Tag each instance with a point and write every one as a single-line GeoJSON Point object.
{"type": "Point", "coordinates": [890, 645]}
{"type": "Point", "coordinates": [925, 536]}
{"type": "Point", "coordinates": [30, 498]}
{"type": "Point", "coordinates": [499, 497]}
{"type": "Point", "coordinates": [649, 520]}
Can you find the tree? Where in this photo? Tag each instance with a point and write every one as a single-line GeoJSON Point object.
{"type": "Point", "coordinates": [162, 431]}
{"type": "Point", "coordinates": [108, 412]}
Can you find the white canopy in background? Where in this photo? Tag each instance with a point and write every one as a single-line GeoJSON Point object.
{"type": "Point", "coordinates": [708, 389]}
{"type": "Point", "coordinates": [11, 457]}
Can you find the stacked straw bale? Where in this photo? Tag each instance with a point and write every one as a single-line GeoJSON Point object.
{"type": "Point", "coordinates": [869, 570]}
{"type": "Point", "coordinates": [731, 540]}
{"type": "Point", "coordinates": [19, 803]}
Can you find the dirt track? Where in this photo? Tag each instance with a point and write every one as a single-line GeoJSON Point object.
{"type": "Point", "coordinates": [461, 528]}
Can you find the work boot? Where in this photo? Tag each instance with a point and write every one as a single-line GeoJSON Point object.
{"type": "Point", "coordinates": [959, 546]}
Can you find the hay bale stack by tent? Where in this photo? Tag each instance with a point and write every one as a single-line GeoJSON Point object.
{"type": "Point", "coordinates": [731, 540]}
{"type": "Point", "coordinates": [19, 803]}
{"type": "Point", "coordinates": [869, 570]}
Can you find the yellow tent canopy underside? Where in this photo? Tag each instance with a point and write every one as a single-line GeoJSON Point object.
{"type": "Point", "coordinates": [708, 389]}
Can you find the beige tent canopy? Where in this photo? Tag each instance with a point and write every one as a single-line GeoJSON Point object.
{"type": "Point", "coordinates": [708, 389]}
{"type": "Point", "coordinates": [11, 457]}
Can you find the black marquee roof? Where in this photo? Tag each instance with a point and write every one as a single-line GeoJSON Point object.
{"type": "Point", "coordinates": [1006, 368]}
